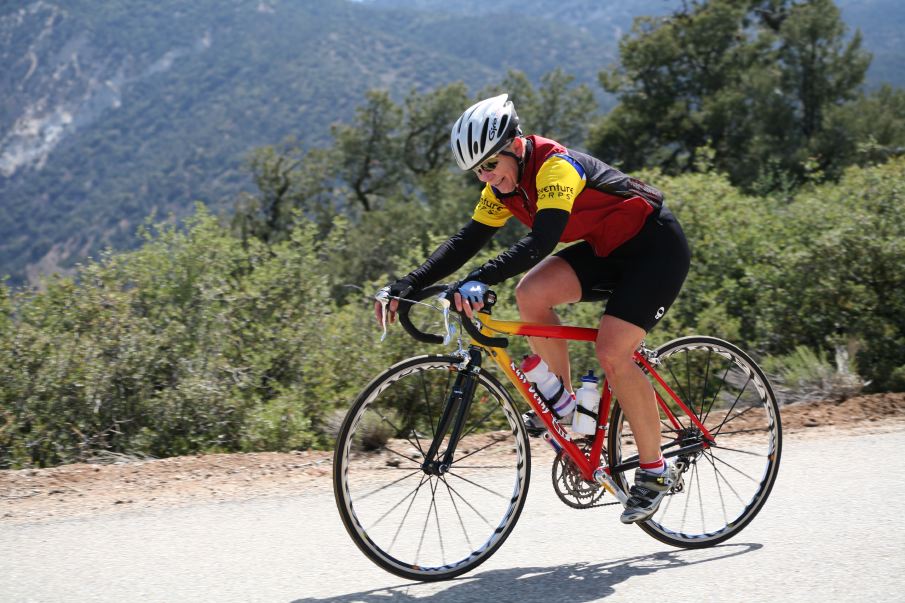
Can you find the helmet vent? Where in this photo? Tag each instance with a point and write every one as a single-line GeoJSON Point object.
{"type": "Point", "coordinates": [471, 143]}
{"type": "Point", "coordinates": [504, 121]}
{"type": "Point", "coordinates": [484, 134]}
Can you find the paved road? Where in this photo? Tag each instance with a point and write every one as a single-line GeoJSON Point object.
{"type": "Point", "coordinates": [831, 531]}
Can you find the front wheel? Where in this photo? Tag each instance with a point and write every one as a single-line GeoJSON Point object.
{"type": "Point", "coordinates": [416, 523]}
{"type": "Point", "coordinates": [726, 482]}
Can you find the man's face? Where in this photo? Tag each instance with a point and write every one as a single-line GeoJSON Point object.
{"type": "Point", "coordinates": [501, 171]}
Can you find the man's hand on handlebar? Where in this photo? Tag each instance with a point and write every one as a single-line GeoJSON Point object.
{"type": "Point", "coordinates": [400, 288]}
{"type": "Point", "coordinates": [468, 296]}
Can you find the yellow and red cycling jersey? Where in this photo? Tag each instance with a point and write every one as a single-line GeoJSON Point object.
{"type": "Point", "coordinates": [606, 207]}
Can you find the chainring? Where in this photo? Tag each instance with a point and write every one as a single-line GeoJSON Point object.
{"type": "Point", "coordinates": [570, 486]}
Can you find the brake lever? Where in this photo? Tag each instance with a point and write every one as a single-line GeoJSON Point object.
{"type": "Point", "coordinates": [383, 297]}
{"type": "Point", "coordinates": [450, 329]}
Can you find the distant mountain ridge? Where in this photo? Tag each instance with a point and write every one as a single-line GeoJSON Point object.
{"type": "Point", "coordinates": [111, 110]}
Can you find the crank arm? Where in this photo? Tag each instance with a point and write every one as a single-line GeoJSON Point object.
{"type": "Point", "coordinates": [603, 478]}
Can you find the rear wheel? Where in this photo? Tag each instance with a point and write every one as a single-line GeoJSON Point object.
{"type": "Point", "coordinates": [418, 524]}
{"type": "Point", "coordinates": [726, 483]}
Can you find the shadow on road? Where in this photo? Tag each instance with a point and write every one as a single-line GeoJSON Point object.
{"type": "Point", "coordinates": [574, 582]}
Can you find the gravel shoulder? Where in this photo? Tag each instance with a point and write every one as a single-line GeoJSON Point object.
{"type": "Point", "coordinates": [123, 484]}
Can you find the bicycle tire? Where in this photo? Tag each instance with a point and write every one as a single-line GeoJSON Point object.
{"type": "Point", "coordinates": [725, 485]}
{"type": "Point", "coordinates": [378, 480]}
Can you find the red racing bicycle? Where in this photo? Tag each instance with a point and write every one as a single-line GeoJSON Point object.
{"type": "Point", "coordinates": [432, 462]}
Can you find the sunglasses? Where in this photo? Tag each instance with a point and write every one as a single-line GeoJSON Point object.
{"type": "Point", "coordinates": [488, 166]}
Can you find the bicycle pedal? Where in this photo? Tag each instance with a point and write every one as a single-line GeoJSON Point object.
{"type": "Point", "coordinates": [533, 424]}
{"type": "Point", "coordinates": [535, 432]}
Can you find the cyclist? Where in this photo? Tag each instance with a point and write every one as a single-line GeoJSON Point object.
{"type": "Point", "coordinates": [628, 247]}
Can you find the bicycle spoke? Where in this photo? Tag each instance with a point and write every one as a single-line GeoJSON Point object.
{"type": "Point", "coordinates": [405, 516]}
{"type": "Point", "coordinates": [394, 507]}
{"type": "Point", "coordinates": [479, 423]}
{"type": "Point", "coordinates": [694, 469]}
{"type": "Point", "coordinates": [697, 476]}
{"type": "Point", "coordinates": [430, 412]}
{"type": "Point", "coordinates": [667, 428]}
{"type": "Point", "coordinates": [468, 504]}
{"type": "Point", "coordinates": [452, 500]}
{"type": "Point", "coordinates": [704, 384]}
{"type": "Point", "coordinates": [727, 419]}
{"type": "Point", "coordinates": [397, 430]}
{"type": "Point", "coordinates": [717, 394]}
{"type": "Point", "coordinates": [475, 484]}
{"type": "Point", "coordinates": [689, 399]}
{"type": "Point", "coordinates": [710, 458]}
{"type": "Point", "coordinates": [719, 488]}
{"type": "Point", "coordinates": [724, 434]}
{"type": "Point", "coordinates": [682, 396]}
{"type": "Point", "coordinates": [480, 466]}
{"type": "Point", "coordinates": [434, 484]}
{"type": "Point", "coordinates": [740, 451]}
{"type": "Point", "coordinates": [731, 408]}
{"type": "Point", "coordinates": [427, 517]}
{"type": "Point", "coordinates": [736, 469]}
{"type": "Point", "coordinates": [390, 485]}
{"type": "Point", "coordinates": [481, 449]}
{"type": "Point", "coordinates": [406, 457]}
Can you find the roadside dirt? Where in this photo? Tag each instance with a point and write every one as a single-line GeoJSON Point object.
{"type": "Point", "coordinates": [32, 495]}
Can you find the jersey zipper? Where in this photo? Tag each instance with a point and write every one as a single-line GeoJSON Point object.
{"type": "Point", "coordinates": [525, 202]}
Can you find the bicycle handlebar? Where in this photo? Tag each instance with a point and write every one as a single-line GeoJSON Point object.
{"type": "Point", "coordinates": [434, 290]}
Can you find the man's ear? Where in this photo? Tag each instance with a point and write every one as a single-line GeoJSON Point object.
{"type": "Point", "coordinates": [518, 146]}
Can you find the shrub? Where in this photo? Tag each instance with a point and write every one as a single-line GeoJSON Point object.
{"type": "Point", "coordinates": [806, 374]}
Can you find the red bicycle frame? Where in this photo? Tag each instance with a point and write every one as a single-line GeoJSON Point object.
{"type": "Point", "coordinates": [586, 464]}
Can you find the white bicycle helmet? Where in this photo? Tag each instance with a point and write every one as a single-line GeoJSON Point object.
{"type": "Point", "coordinates": [483, 130]}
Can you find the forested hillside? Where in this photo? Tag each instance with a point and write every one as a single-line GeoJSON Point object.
{"type": "Point", "coordinates": [113, 110]}
{"type": "Point", "coordinates": [110, 111]}
{"type": "Point", "coordinates": [253, 329]}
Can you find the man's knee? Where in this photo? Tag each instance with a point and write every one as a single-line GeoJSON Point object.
{"type": "Point", "coordinates": [527, 294]}
{"type": "Point", "coordinates": [608, 360]}
{"type": "Point", "coordinates": [613, 359]}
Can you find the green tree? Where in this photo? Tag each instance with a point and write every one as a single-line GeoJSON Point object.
{"type": "Point", "coordinates": [291, 184]}
{"type": "Point", "coordinates": [368, 151]}
{"type": "Point", "coordinates": [428, 118]}
{"type": "Point", "coordinates": [556, 109]}
{"type": "Point", "coordinates": [752, 81]}
{"type": "Point", "coordinates": [869, 130]}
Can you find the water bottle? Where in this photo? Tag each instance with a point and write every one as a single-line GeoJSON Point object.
{"type": "Point", "coordinates": [588, 396]}
{"type": "Point", "coordinates": [560, 400]}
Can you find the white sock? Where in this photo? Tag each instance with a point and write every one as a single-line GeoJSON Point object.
{"type": "Point", "coordinates": [658, 467]}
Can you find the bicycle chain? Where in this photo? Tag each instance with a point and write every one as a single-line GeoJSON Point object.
{"type": "Point", "coordinates": [571, 488]}
{"type": "Point", "coordinates": [578, 489]}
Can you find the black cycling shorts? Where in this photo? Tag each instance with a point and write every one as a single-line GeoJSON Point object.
{"type": "Point", "coordinates": [641, 277]}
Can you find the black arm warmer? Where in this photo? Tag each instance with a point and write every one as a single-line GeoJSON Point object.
{"type": "Point", "coordinates": [535, 246]}
{"type": "Point", "coordinates": [452, 255]}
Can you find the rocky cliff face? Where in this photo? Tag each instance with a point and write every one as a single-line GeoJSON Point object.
{"type": "Point", "coordinates": [59, 79]}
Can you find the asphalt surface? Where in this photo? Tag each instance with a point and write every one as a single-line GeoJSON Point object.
{"type": "Point", "coordinates": [831, 531]}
